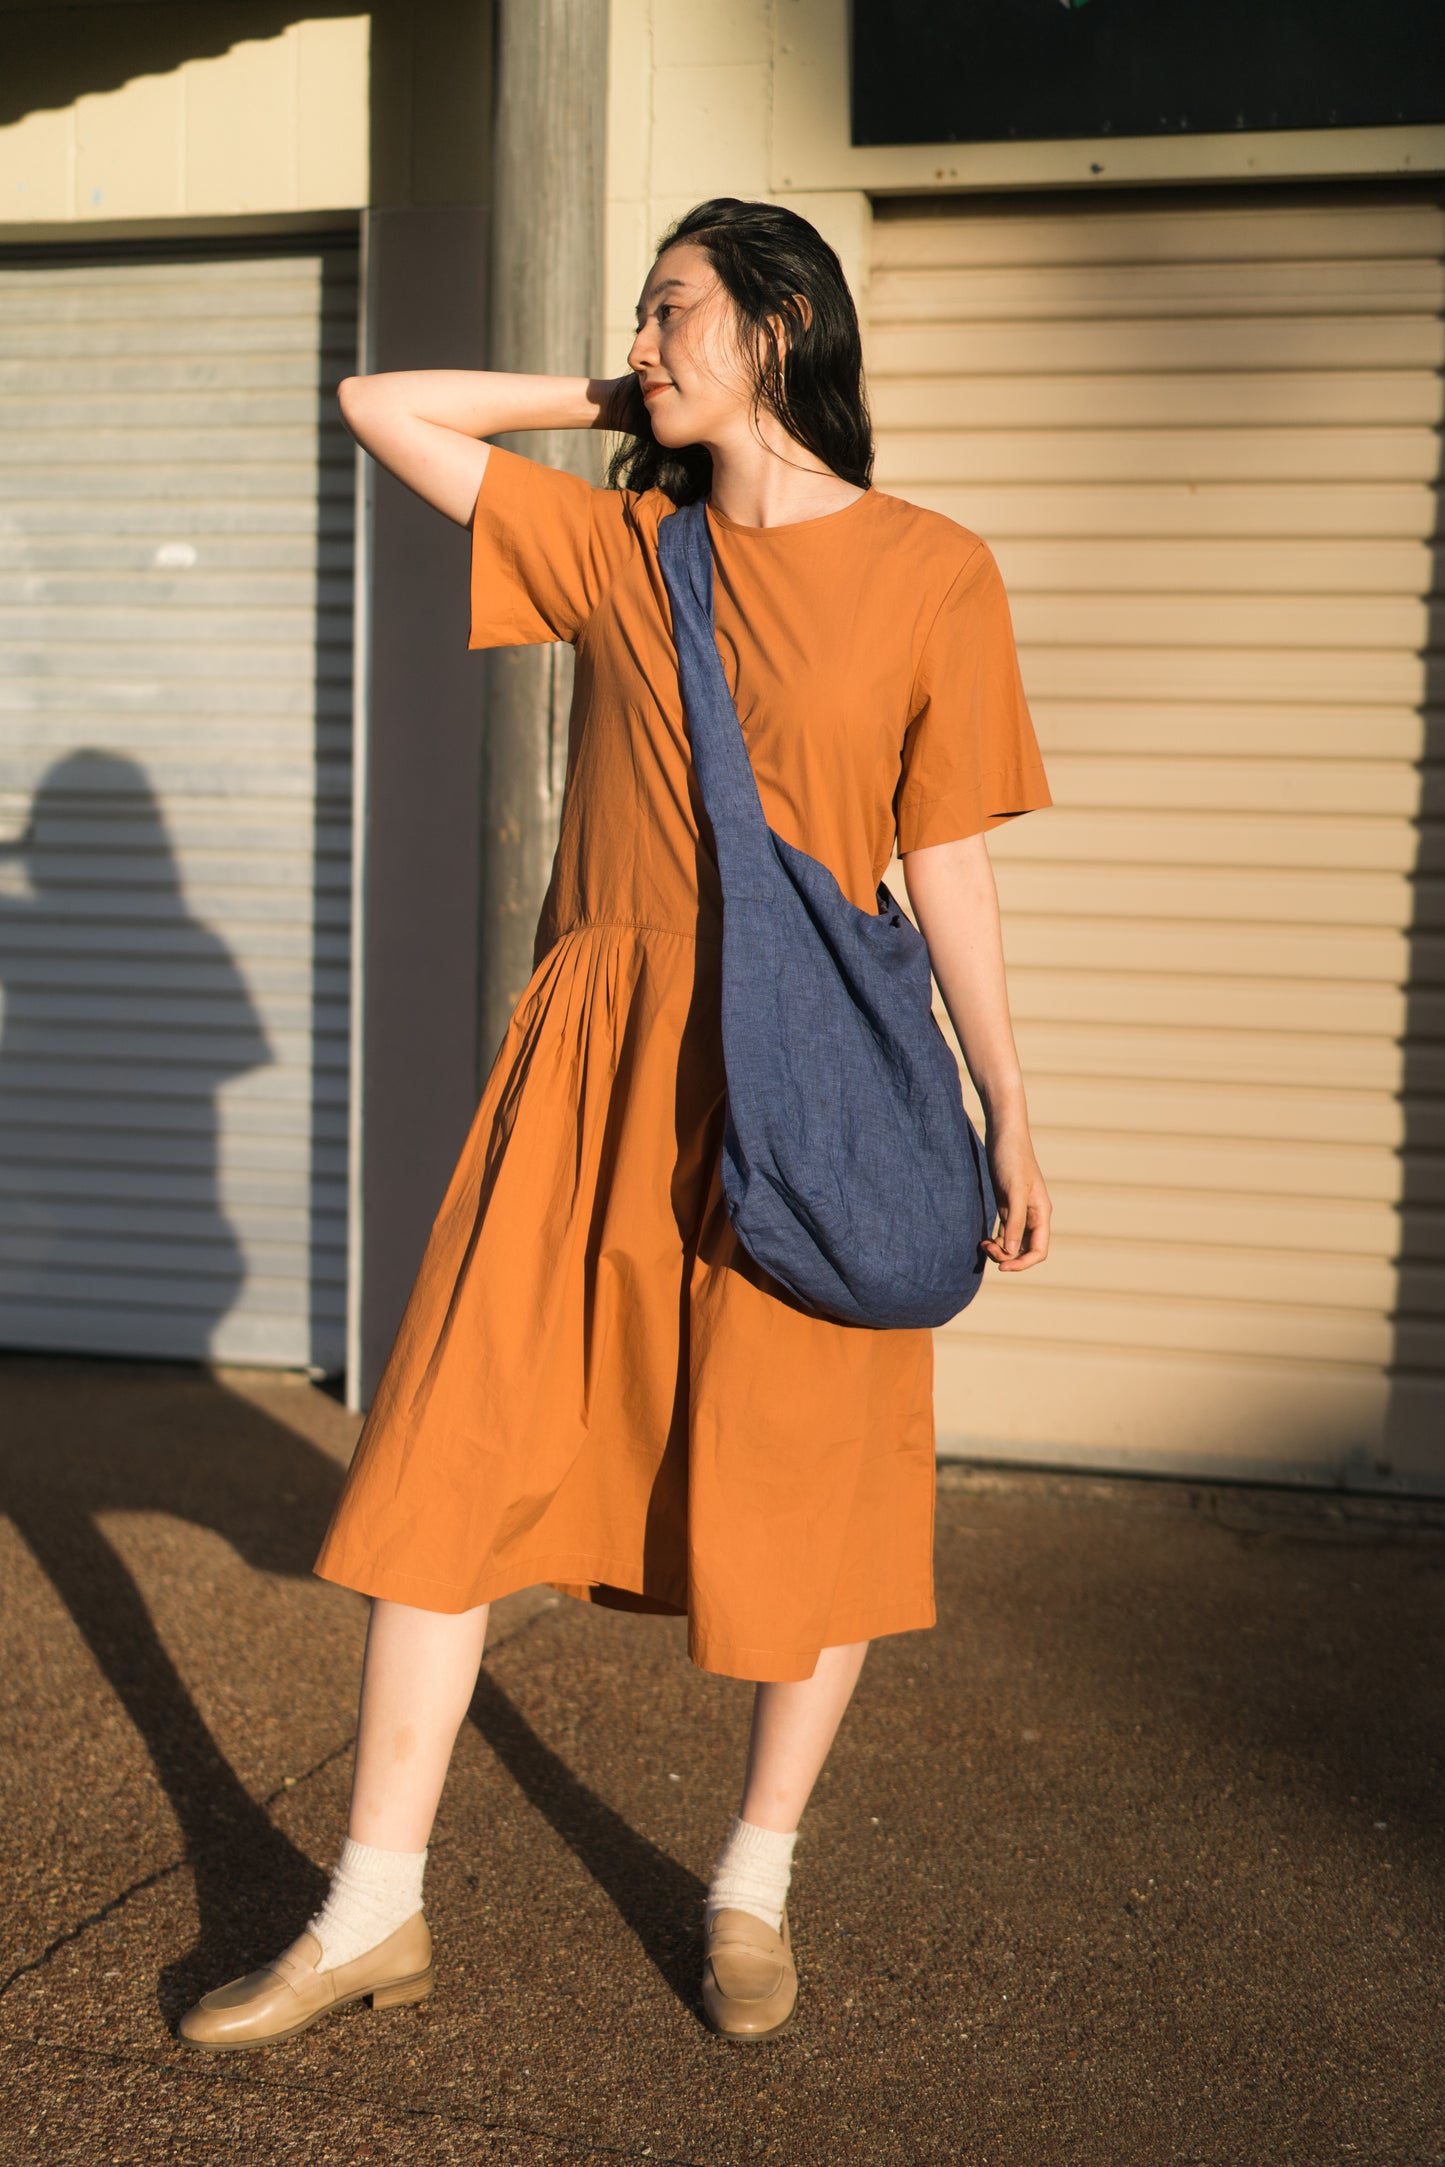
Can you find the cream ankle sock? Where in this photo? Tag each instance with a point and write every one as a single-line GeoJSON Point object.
{"type": "Point", "coordinates": [372, 1893]}
{"type": "Point", "coordinates": [752, 1874]}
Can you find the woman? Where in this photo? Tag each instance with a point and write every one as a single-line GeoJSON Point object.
{"type": "Point", "coordinates": [593, 1385]}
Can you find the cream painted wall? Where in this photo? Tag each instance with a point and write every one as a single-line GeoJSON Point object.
{"type": "Point", "coordinates": [690, 115]}
{"type": "Point", "coordinates": [274, 125]}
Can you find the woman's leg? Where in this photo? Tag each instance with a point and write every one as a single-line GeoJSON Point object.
{"type": "Point", "coordinates": [794, 1724]}
{"type": "Point", "coordinates": [793, 1727]}
{"type": "Point", "coordinates": [369, 1937]}
{"type": "Point", "coordinates": [749, 1986]}
{"type": "Point", "coordinates": [417, 1682]}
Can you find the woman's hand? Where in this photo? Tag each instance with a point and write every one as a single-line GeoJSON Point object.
{"type": "Point", "coordinates": [1024, 1209]}
{"type": "Point", "coordinates": [955, 901]}
{"type": "Point", "coordinates": [425, 425]}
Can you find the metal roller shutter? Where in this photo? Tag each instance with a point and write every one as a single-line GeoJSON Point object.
{"type": "Point", "coordinates": [175, 729]}
{"type": "Point", "coordinates": [1202, 434]}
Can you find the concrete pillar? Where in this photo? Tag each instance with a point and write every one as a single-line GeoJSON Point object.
{"type": "Point", "coordinates": [546, 316]}
{"type": "Point", "coordinates": [419, 693]}
{"type": "Point", "coordinates": [418, 759]}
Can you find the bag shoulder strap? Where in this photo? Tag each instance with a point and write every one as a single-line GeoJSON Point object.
{"type": "Point", "coordinates": [719, 749]}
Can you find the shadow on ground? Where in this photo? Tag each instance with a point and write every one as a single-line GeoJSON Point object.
{"type": "Point", "coordinates": [177, 1443]}
{"type": "Point", "coordinates": [1137, 1859]}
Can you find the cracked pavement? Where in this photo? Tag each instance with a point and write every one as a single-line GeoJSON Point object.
{"type": "Point", "coordinates": [1136, 1859]}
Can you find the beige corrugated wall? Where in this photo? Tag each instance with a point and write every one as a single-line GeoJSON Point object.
{"type": "Point", "coordinates": [1202, 435]}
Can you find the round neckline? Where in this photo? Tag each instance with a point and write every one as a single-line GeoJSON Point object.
{"type": "Point", "coordinates": [786, 526]}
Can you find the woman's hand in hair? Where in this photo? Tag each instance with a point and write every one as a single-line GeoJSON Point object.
{"type": "Point", "coordinates": [426, 426]}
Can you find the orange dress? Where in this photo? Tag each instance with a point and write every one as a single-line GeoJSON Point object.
{"type": "Point", "coordinates": [593, 1385]}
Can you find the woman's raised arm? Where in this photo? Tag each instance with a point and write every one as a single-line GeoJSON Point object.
{"type": "Point", "coordinates": [425, 425]}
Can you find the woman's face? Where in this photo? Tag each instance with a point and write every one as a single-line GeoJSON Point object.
{"type": "Point", "coordinates": [685, 356]}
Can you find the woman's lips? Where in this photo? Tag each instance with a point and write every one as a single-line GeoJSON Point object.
{"type": "Point", "coordinates": [650, 391]}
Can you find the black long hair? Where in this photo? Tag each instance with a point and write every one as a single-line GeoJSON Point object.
{"type": "Point", "coordinates": [808, 366]}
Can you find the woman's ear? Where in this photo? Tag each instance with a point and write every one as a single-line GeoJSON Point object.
{"type": "Point", "coordinates": [778, 325]}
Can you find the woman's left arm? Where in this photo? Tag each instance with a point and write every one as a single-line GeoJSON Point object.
{"type": "Point", "coordinates": [953, 896]}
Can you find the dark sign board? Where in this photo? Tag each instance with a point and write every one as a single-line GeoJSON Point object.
{"type": "Point", "coordinates": [995, 71]}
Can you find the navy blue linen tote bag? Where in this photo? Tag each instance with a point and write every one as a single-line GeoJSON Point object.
{"type": "Point", "coordinates": [850, 1170]}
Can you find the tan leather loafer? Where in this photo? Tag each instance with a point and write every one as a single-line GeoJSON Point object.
{"type": "Point", "coordinates": [749, 1984]}
{"type": "Point", "coordinates": [285, 1997]}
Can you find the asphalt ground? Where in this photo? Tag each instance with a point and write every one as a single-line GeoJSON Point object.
{"type": "Point", "coordinates": [1137, 1858]}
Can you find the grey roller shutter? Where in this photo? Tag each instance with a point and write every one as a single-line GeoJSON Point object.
{"type": "Point", "coordinates": [176, 519]}
{"type": "Point", "coordinates": [1202, 434]}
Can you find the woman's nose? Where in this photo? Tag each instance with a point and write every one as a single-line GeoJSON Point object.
{"type": "Point", "coordinates": [643, 350]}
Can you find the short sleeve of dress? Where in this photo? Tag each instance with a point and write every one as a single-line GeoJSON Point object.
{"type": "Point", "coordinates": [544, 548]}
{"type": "Point", "coordinates": [970, 757]}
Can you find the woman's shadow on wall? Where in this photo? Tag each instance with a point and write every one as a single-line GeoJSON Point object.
{"type": "Point", "coordinates": [123, 1017]}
